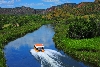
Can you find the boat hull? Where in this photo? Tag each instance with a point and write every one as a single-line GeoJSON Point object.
{"type": "Point", "coordinates": [39, 50]}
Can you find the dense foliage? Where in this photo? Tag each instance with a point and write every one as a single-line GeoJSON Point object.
{"type": "Point", "coordinates": [85, 50]}
{"type": "Point", "coordinates": [14, 26]}
{"type": "Point", "coordinates": [82, 28]}
{"type": "Point", "coordinates": [77, 30]}
{"type": "Point", "coordinates": [18, 20]}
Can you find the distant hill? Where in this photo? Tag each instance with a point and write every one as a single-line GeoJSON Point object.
{"type": "Point", "coordinates": [66, 9]}
{"type": "Point", "coordinates": [60, 6]}
{"type": "Point", "coordinates": [72, 8]}
{"type": "Point", "coordinates": [97, 1]}
{"type": "Point", "coordinates": [21, 10]}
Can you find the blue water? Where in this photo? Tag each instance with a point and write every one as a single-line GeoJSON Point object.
{"type": "Point", "coordinates": [17, 52]}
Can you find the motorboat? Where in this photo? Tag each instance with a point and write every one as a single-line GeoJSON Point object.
{"type": "Point", "coordinates": [39, 47]}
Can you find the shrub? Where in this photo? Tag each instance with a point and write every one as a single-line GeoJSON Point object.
{"type": "Point", "coordinates": [82, 28]}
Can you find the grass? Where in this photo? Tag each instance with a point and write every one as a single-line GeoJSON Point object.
{"type": "Point", "coordinates": [10, 34]}
{"type": "Point", "coordinates": [92, 44]}
{"type": "Point", "coordinates": [6, 25]}
{"type": "Point", "coordinates": [85, 50]}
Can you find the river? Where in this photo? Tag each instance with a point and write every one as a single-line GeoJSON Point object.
{"type": "Point", "coordinates": [20, 52]}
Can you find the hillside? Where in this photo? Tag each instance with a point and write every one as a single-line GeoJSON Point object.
{"type": "Point", "coordinates": [76, 26]}
{"type": "Point", "coordinates": [83, 8]}
{"type": "Point", "coordinates": [21, 11]}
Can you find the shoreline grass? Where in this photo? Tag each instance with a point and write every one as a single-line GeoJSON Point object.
{"type": "Point", "coordinates": [11, 35]}
{"type": "Point", "coordinates": [89, 53]}
{"type": "Point", "coordinates": [85, 50]}
{"type": "Point", "coordinates": [7, 35]}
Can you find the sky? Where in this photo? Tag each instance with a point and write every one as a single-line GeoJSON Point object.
{"type": "Point", "coordinates": [37, 4]}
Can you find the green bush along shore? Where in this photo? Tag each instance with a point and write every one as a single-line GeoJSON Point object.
{"type": "Point", "coordinates": [12, 32]}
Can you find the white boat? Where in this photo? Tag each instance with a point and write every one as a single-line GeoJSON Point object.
{"type": "Point", "coordinates": [39, 47]}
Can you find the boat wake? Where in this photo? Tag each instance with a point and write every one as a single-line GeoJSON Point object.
{"type": "Point", "coordinates": [48, 58]}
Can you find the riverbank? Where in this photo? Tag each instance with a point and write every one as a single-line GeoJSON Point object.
{"type": "Point", "coordinates": [7, 35]}
{"type": "Point", "coordinates": [85, 50]}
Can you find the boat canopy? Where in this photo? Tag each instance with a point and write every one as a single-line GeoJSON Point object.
{"type": "Point", "coordinates": [38, 45]}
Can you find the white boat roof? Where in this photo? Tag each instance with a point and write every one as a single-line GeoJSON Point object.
{"type": "Point", "coordinates": [39, 45]}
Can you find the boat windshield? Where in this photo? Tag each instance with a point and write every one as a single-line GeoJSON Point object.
{"type": "Point", "coordinates": [40, 48]}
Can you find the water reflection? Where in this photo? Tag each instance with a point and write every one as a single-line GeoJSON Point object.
{"type": "Point", "coordinates": [17, 52]}
{"type": "Point", "coordinates": [42, 35]}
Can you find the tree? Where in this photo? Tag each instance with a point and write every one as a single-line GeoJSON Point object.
{"type": "Point", "coordinates": [1, 25]}
{"type": "Point", "coordinates": [81, 28]}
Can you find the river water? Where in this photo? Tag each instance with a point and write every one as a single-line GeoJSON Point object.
{"type": "Point", "coordinates": [20, 52]}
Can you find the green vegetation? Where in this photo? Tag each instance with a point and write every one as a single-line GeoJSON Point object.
{"type": "Point", "coordinates": [85, 48]}
{"type": "Point", "coordinates": [77, 30]}
{"type": "Point", "coordinates": [11, 31]}
{"type": "Point", "coordinates": [82, 28]}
